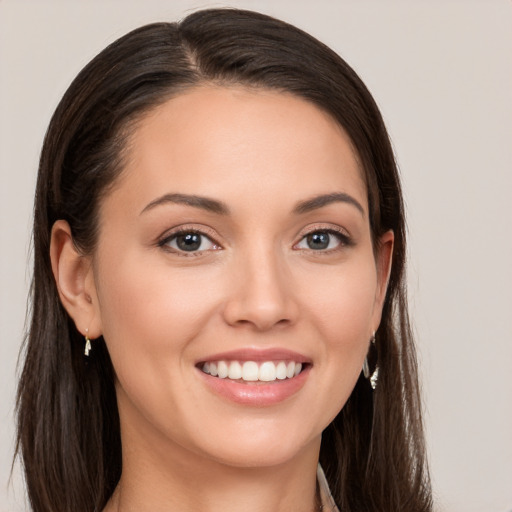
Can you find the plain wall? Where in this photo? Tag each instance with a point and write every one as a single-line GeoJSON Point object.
{"type": "Point", "coordinates": [441, 71]}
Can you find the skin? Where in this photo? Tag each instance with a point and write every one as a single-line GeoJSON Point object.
{"type": "Point", "coordinates": [255, 283]}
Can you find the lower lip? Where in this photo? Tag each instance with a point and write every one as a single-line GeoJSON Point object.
{"type": "Point", "coordinates": [257, 394]}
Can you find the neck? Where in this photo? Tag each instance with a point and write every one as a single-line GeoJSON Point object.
{"type": "Point", "coordinates": [187, 482]}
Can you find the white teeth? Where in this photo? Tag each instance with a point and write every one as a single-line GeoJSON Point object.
{"type": "Point", "coordinates": [222, 369]}
{"type": "Point", "coordinates": [281, 371]}
{"type": "Point", "coordinates": [235, 370]}
{"type": "Point", "coordinates": [251, 371]}
{"type": "Point", "coordinates": [267, 372]}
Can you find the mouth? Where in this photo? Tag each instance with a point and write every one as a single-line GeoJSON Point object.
{"type": "Point", "coordinates": [253, 371]}
{"type": "Point", "coordinates": [255, 378]}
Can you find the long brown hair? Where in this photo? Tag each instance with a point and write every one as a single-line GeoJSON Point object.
{"type": "Point", "coordinates": [68, 425]}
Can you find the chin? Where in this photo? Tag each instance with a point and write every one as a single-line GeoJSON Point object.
{"type": "Point", "coordinates": [257, 458]}
{"type": "Point", "coordinates": [260, 448]}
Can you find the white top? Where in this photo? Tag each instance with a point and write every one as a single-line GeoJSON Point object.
{"type": "Point", "coordinates": [328, 504]}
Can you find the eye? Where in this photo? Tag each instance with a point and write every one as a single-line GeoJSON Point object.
{"type": "Point", "coordinates": [323, 240]}
{"type": "Point", "coordinates": [189, 241]}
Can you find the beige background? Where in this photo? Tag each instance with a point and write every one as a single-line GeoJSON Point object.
{"type": "Point", "coordinates": [442, 74]}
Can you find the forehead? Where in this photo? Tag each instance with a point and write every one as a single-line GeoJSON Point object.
{"type": "Point", "coordinates": [226, 141]}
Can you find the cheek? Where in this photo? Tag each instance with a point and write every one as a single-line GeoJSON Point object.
{"type": "Point", "coordinates": [150, 316]}
{"type": "Point", "coordinates": [342, 300]}
{"type": "Point", "coordinates": [340, 306]}
{"type": "Point", "coordinates": [148, 308]}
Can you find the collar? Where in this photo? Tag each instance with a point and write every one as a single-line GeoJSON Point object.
{"type": "Point", "coordinates": [328, 503]}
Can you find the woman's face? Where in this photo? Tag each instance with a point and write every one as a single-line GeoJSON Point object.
{"type": "Point", "coordinates": [236, 241]}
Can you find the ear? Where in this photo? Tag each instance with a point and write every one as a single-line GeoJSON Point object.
{"type": "Point", "coordinates": [74, 277]}
{"type": "Point", "coordinates": [384, 260]}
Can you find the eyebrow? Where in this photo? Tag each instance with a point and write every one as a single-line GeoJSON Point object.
{"type": "Point", "coordinates": [326, 199]}
{"type": "Point", "coordinates": [220, 208]}
{"type": "Point", "coordinates": [204, 203]}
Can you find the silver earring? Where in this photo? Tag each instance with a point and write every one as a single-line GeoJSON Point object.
{"type": "Point", "coordinates": [374, 378]}
{"type": "Point", "coordinates": [87, 343]}
{"type": "Point", "coordinates": [366, 368]}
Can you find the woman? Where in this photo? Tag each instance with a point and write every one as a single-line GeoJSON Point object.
{"type": "Point", "coordinates": [218, 295]}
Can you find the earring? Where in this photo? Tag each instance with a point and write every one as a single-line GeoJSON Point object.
{"type": "Point", "coordinates": [366, 368]}
{"type": "Point", "coordinates": [374, 378]}
{"type": "Point", "coordinates": [87, 343]}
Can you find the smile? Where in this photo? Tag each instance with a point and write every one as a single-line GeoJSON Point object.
{"type": "Point", "coordinates": [255, 377]}
{"type": "Point", "coordinates": [252, 371]}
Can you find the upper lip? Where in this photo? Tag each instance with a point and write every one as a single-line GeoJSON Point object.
{"type": "Point", "coordinates": [257, 355]}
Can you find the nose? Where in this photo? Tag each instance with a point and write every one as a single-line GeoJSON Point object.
{"type": "Point", "coordinates": [261, 293]}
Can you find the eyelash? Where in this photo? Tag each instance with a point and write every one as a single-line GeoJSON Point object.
{"type": "Point", "coordinates": [343, 238]}
{"type": "Point", "coordinates": [168, 238]}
